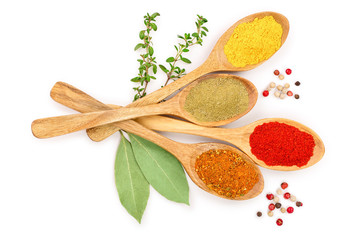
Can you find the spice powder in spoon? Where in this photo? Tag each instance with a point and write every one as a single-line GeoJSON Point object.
{"type": "Point", "coordinates": [226, 173]}
{"type": "Point", "coordinates": [217, 99]}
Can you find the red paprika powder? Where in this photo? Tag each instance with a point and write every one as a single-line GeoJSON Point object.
{"type": "Point", "coordinates": [281, 144]}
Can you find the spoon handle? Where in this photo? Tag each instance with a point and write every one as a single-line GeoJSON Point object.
{"type": "Point", "coordinates": [100, 133]}
{"type": "Point", "coordinates": [56, 126]}
{"type": "Point", "coordinates": [76, 99]}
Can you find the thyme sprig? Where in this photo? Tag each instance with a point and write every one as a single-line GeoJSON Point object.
{"type": "Point", "coordinates": [147, 60]}
{"type": "Point", "coordinates": [187, 40]}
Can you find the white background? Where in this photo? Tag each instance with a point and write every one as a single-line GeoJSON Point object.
{"type": "Point", "coordinates": [63, 188]}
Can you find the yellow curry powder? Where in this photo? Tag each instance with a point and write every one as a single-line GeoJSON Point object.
{"type": "Point", "coordinates": [226, 173]}
{"type": "Point", "coordinates": [253, 42]}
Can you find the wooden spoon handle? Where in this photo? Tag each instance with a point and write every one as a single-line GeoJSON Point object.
{"type": "Point", "coordinates": [102, 132]}
{"type": "Point", "coordinates": [76, 99]}
{"type": "Point", "coordinates": [56, 126]}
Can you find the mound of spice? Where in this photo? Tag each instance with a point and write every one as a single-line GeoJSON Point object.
{"type": "Point", "coordinates": [279, 144]}
{"type": "Point", "coordinates": [226, 173]}
{"type": "Point", "coordinates": [217, 99]}
{"type": "Point", "coordinates": [253, 42]}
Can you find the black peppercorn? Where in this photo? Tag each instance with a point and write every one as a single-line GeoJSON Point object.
{"type": "Point", "coordinates": [299, 204]}
{"type": "Point", "coordinates": [297, 96]}
{"type": "Point", "coordinates": [297, 83]}
{"type": "Point", "coordinates": [259, 214]}
{"type": "Point", "coordinates": [278, 205]}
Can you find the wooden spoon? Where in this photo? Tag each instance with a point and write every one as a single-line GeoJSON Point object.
{"type": "Point", "coordinates": [185, 153]}
{"type": "Point", "coordinates": [216, 61]}
{"type": "Point", "coordinates": [55, 126]}
{"type": "Point", "coordinates": [80, 101]}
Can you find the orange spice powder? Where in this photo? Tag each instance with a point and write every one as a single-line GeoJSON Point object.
{"type": "Point", "coordinates": [226, 173]}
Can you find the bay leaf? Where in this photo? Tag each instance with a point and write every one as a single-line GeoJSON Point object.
{"type": "Point", "coordinates": [162, 170]}
{"type": "Point", "coordinates": [132, 186]}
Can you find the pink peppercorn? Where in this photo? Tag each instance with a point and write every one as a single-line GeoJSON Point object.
{"type": "Point", "coordinates": [287, 195]}
{"type": "Point", "coordinates": [288, 71]}
{"type": "Point", "coordinates": [284, 185]}
{"type": "Point", "coordinates": [270, 196]}
{"type": "Point", "coordinates": [271, 206]}
{"type": "Point", "coordinates": [276, 72]}
{"type": "Point", "coordinates": [289, 93]}
{"type": "Point", "coordinates": [279, 222]}
{"type": "Point", "coordinates": [290, 209]}
{"type": "Point", "coordinates": [265, 93]}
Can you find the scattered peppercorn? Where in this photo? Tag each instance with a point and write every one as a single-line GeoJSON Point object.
{"type": "Point", "coordinates": [276, 72]}
{"type": "Point", "coordinates": [293, 198]}
{"type": "Point", "coordinates": [272, 85]}
{"type": "Point", "coordinates": [270, 196]}
{"type": "Point", "coordinates": [270, 213]}
{"type": "Point", "coordinates": [279, 191]}
{"type": "Point", "coordinates": [276, 199]}
{"type": "Point", "coordinates": [283, 210]}
{"type": "Point", "coordinates": [287, 195]}
{"type": "Point", "coordinates": [297, 96]}
{"type": "Point", "coordinates": [284, 185]}
{"type": "Point", "coordinates": [278, 205]}
{"type": "Point", "coordinates": [299, 204]}
{"type": "Point", "coordinates": [281, 77]}
{"type": "Point", "coordinates": [265, 93]}
{"type": "Point", "coordinates": [290, 209]}
{"type": "Point", "coordinates": [288, 71]}
{"type": "Point", "coordinates": [259, 214]}
{"type": "Point", "coordinates": [289, 93]}
{"type": "Point", "coordinates": [279, 222]}
{"type": "Point", "coordinates": [297, 83]}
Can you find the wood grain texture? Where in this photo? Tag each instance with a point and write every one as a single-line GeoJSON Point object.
{"type": "Point", "coordinates": [185, 153]}
{"type": "Point", "coordinates": [216, 61]}
{"type": "Point", "coordinates": [236, 136]}
{"type": "Point", "coordinates": [102, 132]}
{"type": "Point", "coordinates": [56, 126]}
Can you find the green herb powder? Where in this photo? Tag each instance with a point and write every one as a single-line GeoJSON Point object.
{"type": "Point", "coordinates": [217, 99]}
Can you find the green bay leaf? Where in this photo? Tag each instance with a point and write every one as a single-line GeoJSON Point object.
{"type": "Point", "coordinates": [162, 170]}
{"type": "Point", "coordinates": [132, 186]}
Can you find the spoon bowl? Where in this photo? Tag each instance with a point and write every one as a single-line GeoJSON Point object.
{"type": "Point", "coordinates": [56, 126]}
{"type": "Point", "coordinates": [216, 61]}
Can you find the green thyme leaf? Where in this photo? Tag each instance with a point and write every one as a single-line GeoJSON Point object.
{"type": "Point", "coordinates": [162, 170]}
{"type": "Point", "coordinates": [170, 59]}
{"type": "Point", "coordinates": [132, 186]}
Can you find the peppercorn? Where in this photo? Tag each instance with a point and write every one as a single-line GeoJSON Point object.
{"type": "Point", "coordinates": [270, 213]}
{"type": "Point", "coordinates": [270, 196]}
{"type": "Point", "coordinates": [287, 85]}
{"type": "Point", "coordinates": [271, 206]}
{"type": "Point", "coordinates": [297, 96]}
{"type": "Point", "coordinates": [293, 198]}
{"type": "Point", "coordinates": [276, 72]}
{"type": "Point", "coordinates": [282, 95]}
{"type": "Point", "coordinates": [278, 205]}
{"type": "Point", "coordinates": [279, 222]}
{"type": "Point", "coordinates": [279, 191]}
{"type": "Point", "coordinates": [289, 93]}
{"type": "Point", "coordinates": [290, 209]}
{"type": "Point", "coordinates": [265, 93]}
{"type": "Point", "coordinates": [281, 77]}
{"type": "Point", "coordinates": [299, 204]}
{"type": "Point", "coordinates": [287, 195]}
{"type": "Point", "coordinates": [284, 185]}
{"type": "Point", "coordinates": [276, 199]}
{"type": "Point", "coordinates": [297, 83]}
{"type": "Point", "coordinates": [259, 214]}
{"type": "Point", "coordinates": [277, 94]}
{"type": "Point", "coordinates": [283, 210]}
{"type": "Point", "coordinates": [279, 87]}
{"type": "Point", "coordinates": [272, 85]}
{"type": "Point", "coordinates": [288, 71]}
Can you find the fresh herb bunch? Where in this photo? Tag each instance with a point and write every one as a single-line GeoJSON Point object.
{"type": "Point", "coordinates": [187, 40]}
{"type": "Point", "coordinates": [147, 60]}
